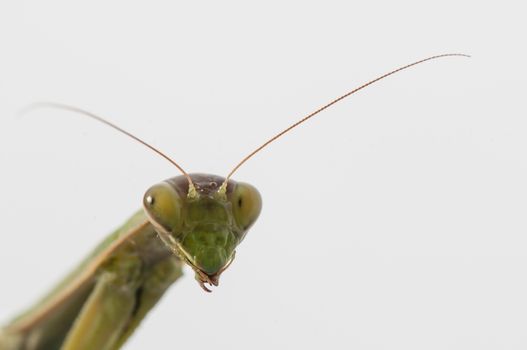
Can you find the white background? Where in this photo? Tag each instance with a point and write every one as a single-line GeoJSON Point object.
{"type": "Point", "coordinates": [395, 220]}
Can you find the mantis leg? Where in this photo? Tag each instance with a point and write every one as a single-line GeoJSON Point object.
{"type": "Point", "coordinates": [114, 309]}
{"type": "Point", "coordinates": [157, 282]}
{"type": "Point", "coordinates": [103, 316]}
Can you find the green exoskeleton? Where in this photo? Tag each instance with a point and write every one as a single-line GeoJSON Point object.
{"type": "Point", "coordinates": [193, 219]}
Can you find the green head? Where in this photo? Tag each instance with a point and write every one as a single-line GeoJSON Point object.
{"type": "Point", "coordinates": [205, 225]}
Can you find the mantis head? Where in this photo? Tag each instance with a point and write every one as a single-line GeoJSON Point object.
{"type": "Point", "coordinates": [203, 226]}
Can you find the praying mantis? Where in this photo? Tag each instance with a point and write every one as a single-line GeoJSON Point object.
{"type": "Point", "coordinates": [192, 219]}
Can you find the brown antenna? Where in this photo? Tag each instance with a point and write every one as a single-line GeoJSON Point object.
{"type": "Point", "coordinates": [191, 189]}
{"type": "Point", "coordinates": [250, 155]}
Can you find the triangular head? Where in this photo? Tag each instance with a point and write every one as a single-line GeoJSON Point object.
{"type": "Point", "coordinates": [205, 225]}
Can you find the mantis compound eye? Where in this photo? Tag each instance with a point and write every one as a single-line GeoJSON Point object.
{"type": "Point", "coordinates": [163, 205]}
{"type": "Point", "coordinates": [246, 205]}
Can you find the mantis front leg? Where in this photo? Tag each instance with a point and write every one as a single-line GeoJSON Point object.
{"type": "Point", "coordinates": [119, 302]}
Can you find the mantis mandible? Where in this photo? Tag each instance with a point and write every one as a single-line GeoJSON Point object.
{"type": "Point", "coordinates": [193, 219]}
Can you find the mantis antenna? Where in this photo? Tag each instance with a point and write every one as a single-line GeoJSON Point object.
{"type": "Point", "coordinates": [223, 187]}
{"type": "Point", "coordinates": [191, 189]}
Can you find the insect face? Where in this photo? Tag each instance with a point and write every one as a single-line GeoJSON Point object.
{"type": "Point", "coordinates": [203, 229]}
